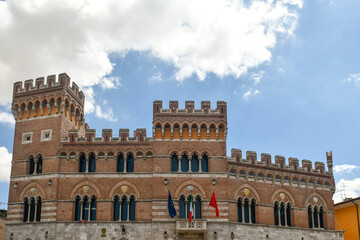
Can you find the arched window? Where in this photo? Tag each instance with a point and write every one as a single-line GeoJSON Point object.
{"type": "Point", "coordinates": [185, 132]}
{"type": "Point", "coordinates": [212, 132]}
{"type": "Point", "coordinates": [321, 217]}
{"type": "Point", "coordinates": [32, 209]}
{"type": "Point", "coordinates": [198, 207]}
{"type": "Point", "coordinates": [26, 209]}
{"type": "Point", "coordinates": [93, 209]}
{"type": "Point", "coordinates": [174, 163]}
{"type": "Point", "coordinates": [77, 208]}
{"type": "Point", "coordinates": [240, 210]}
{"type": "Point", "coordinates": [204, 163]}
{"type": "Point", "coordinates": [288, 214]}
{"type": "Point", "coordinates": [132, 209]}
{"type": "Point", "coordinates": [31, 165]}
{"type": "Point", "coordinates": [246, 211]}
{"type": "Point", "coordinates": [38, 209]}
{"type": "Point", "coordinates": [282, 214]}
{"type": "Point", "coordinates": [310, 216]}
{"type": "Point", "coordinates": [116, 208]}
{"type": "Point", "coordinates": [182, 207]}
{"type": "Point", "coordinates": [39, 164]}
{"type": "Point", "coordinates": [194, 163]}
{"type": "Point", "coordinates": [82, 162]}
{"type": "Point", "coordinates": [252, 211]}
{"type": "Point", "coordinates": [85, 208]}
{"type": "Point", "coordinates": [158, 131]}
{"type": "Point", "coordinates": [184, 163]}
{"type": "Point", "coordinates": [167, 131]}
{"type": "Point", "coordinates": [124, 208]}
{"type": "Point", "coordinates": [176, 131]}
{"type": "Point", "coordinates": [92, 162]}
{"type": "Point", "coordinates": [120, 163]}
{"type": "Point", "coordinates": [130, 163]}
{"type": "Point", "coordinates": [203, 131]}
{"type": "Point", "coordinates": [316, 219]}
{"type": "Point", "coordinates": [276, 213]}
{"type": "Point", "coordinates": [194, 132]}
{"type": "Point", "coordinates": [221, 135]}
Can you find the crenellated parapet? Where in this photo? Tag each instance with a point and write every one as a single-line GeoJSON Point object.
{"type": "Point", "coordinates": [107, 136]}
{"type": "Point", "coordinates": [55, 97]}
{"type": "Point", "coordinates": [189, 123]}
{"type": "Point", "coordinates": [279, 162]}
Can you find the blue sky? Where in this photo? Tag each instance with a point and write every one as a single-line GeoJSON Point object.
{"type": "Point", "coordinates": [291, 79]}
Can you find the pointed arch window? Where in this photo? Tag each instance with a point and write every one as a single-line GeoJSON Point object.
{"type": "Point", "coordinates": [116, 208]}
{"type": "Point", "coordinates": [282, 214]}
{"type": "Point", "coordinates": [124, 208]}
{"type": "Point", "coordinates": [240, 210]}
{"type": "Point", "coordinates": [77, 208]}
{"type": "Point", "coordinates": [31, 165]}
{"type": "Point", "coordinates": [276, 213]}
{"type": "Point", "coordinates": [198, 207]}
{"type": "Point", "coordinates": [132, 208]}
{"type": "Point", "coordinates": [130, 163]}
{"type": "Point", "coordinates": [310, 216]}
{"type": "Point", "coordinates": [321, 217]}
{"type": "Point", "coordinates": [288, 214]}
{"type": "Point", "coordinates": [174, 163]}
{"type": "Point", "coordinates": [120, 163]}
{"type": "Point", "coordinates": [252, 211]}
{"type": "Point", "coordinates": [182, 207]}
{"type": "Point", "coordinates": [39, 164]}
{"type": "Point", "coordinates": [82, 162]}
{"type": "Point", "coordinates": [32, 209]}
{"type": "Point", "coordinates": [246, 211]}
{"type": "Point", "coordinates": [38, 209]}
{"type": "Point", "coordinates": [194, 163]}
{"type": "Point", "coordinates": [26, 209]}
{"type": "Point", "coordinates": [92, 162]}
{"type": "Point", "coordinates": [204, 163]}
{"type": "Point", "coordinates": [93, 209]}
{"type": "Point", "coordinates": [85, 208]}
{"type": "Point", "coordinates": [316, 216]}
{"type": "Point", "coordinates": [184, 163]}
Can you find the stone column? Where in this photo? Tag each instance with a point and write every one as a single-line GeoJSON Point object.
{"type": "Point", "coordinates": [179, 162]}
{"type": "Point", "coordinates": [21, 113]}
{"type": "Point", "coordinates": [243, 210]}
{"type": "Point", "coordinates": [62, 107]}
{"type": "Point", "coordinates": [217, 133]}
{"type": "Point", "coordinates": [35, 166]}
{"type": "Point", "coordinates": [56, 107]}
{"type": "Point", "coordinates": [120, 202]}
{"type": "Point", "coordinates": [200, 166]}
{"type": "Point", "coordinates": [81, 208]}
{"type": "Point", "coordinates": [29, 208]}
{"type": "Point", "coordinates": [35, 210]}
{"type": "Point", "coordinates": [125, 164]}
{"type": "Point", "coordinates": [286, 223]}
{"type": "Point", "coordinates": [41, 110]}
{"type": "Point", "coordinates": [190, 160]}
{"type": "Point", "coordinates": [49, 109]}
{"type": "Point", "coordinates": [180, 133]}
{"type": "Point", "coordinates": [198, 133]}
{"type": "Point", "coordinates": [128, 211]}
{"type": "Point", "coordinates": [87, 164]}
{"type": "Point", "coordinates": [172, 134]}
{"type": "Point", "coordinates": [34, 110]}
{"type": "Point", "coordinates": [189, 133]}
{"type": "Point", "coordinates": [27, 112]}
{"type": "Point", "coordinates": [207, 133]}
{"type": "Point", "coordinates": [162, 133]}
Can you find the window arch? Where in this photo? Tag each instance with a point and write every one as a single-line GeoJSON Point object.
{"type": "Point", "coordinates": [85, 208]}
{"type": "Point", "coordinates": [120, 162]}
{"type": "Point", "coordinates": [158, 132]}
{"type": "Point", "coordinates": [38, 209]}
{"type": "Point", "coordinates": [212, 132]}
{"type": "Point", "coordinates": [116, 208]}
{"type": "Point", "coordinates": [92, 162]}
{"type": "Point", "coordinates": [197, 207]}
{"type": "Point", "coordinates": [246, 210]}
{"type": "Point", "coordinates": [77, 208]}
{"type": "Point", "coordinates": [184, 163]}
{"type": "Point", "coordinates": [82, 162]}
{"type": "Point", "coordinates": [132, 208]}
{"type": "Point", "coordinates": [185, 132]}
{"type": "Point", "coordinates": [39, 164]}
{"type": "Point", "coordinates": [176, 131]}
{"type": "Point", "coordinates": [93, 209]}
{"type": "Point", "coordinates": [174, 163]}
{"type": "Point", "coordinates": [221, 135]}
{"type": "Point", "coordinates": [130, 163]}
{"type": "Point", "coordinates": [204, 163]}
{"type": "Point", "coordinates": [26, 209]}
{"type": "Point", "coordinates": [167, 131]}
{"type": "Point", "coordinates": [316, 216]}
{"type": "Point", "coordinates": [31, 165]}
{"type": "Point", "coordinates": [282, 213]}
{"type": "Point", "coordinates": [194, 132]}
{"type": "Point", "coordinates": [32, 209]}
{"type": "Point", "coordinates": [203, 131]}
{"type": "Point", "coordinates": [182, 207]}
{"type": "Point", "coordinates": [124, 208]}
{"type": "Point", "coordinates": [194, 163]}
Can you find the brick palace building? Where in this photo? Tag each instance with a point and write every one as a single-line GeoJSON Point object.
{"type": "Point", "coordinates": [67, 182]}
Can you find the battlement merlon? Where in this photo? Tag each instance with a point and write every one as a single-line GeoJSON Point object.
{"type": "Point", "coordinates": [107, 136]}
{"type": "Point", "coordinates": [221, 108]}
{"type": "Point", "coordinates": [62, 84]}
{"type": "Point", "coordinates": [251, 159]}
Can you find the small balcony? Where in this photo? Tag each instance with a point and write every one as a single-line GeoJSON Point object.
{"type": "Point", "coordinates": [194, 226]}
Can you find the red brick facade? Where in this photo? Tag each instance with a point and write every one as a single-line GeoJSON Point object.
{"type": "Point", "coordinates": [55, 108]}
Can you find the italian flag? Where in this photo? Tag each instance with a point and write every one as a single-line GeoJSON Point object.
{"type": "Point", "coordinates": [191, 211]}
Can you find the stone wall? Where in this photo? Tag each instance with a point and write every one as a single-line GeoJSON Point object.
{"type": "Point", "coordinates": [155, 231]}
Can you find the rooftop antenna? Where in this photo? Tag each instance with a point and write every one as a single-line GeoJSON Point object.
{"type": "Point", "coordinates": [342, 192]}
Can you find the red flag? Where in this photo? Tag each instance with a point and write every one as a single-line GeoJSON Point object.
{"type": "Point", "coordinates": [213, 204]}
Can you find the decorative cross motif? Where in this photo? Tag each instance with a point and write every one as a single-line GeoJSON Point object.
{"type": "Point", "coordinates": [47, 135]}
{"type": "Point", "coordinates": [28, 138]}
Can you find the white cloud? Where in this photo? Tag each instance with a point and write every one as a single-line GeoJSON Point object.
{"type": "Point", "coordinates": [110, 82]}
{"type": "Point", "coordinates": [346, 168]}
{"type": "Point", "coordinates": [5, 164]}
{"type": "Point", "coordinates": [224, 37]}
{"type": "Point", "coordinates": [108, 114]}
{"type": "Point", "coordinates": [7, 118]}
{"type": "Point", "coordinates": [347, 189]}
{"type": "Point", "coordinates": [250, 93]}
{"type": "Point", "coordinates": [354, 78]}
{"type": "Point", "coordinates": [256, 77]}
{"type": "Point", "coordinates": [157, 77]}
